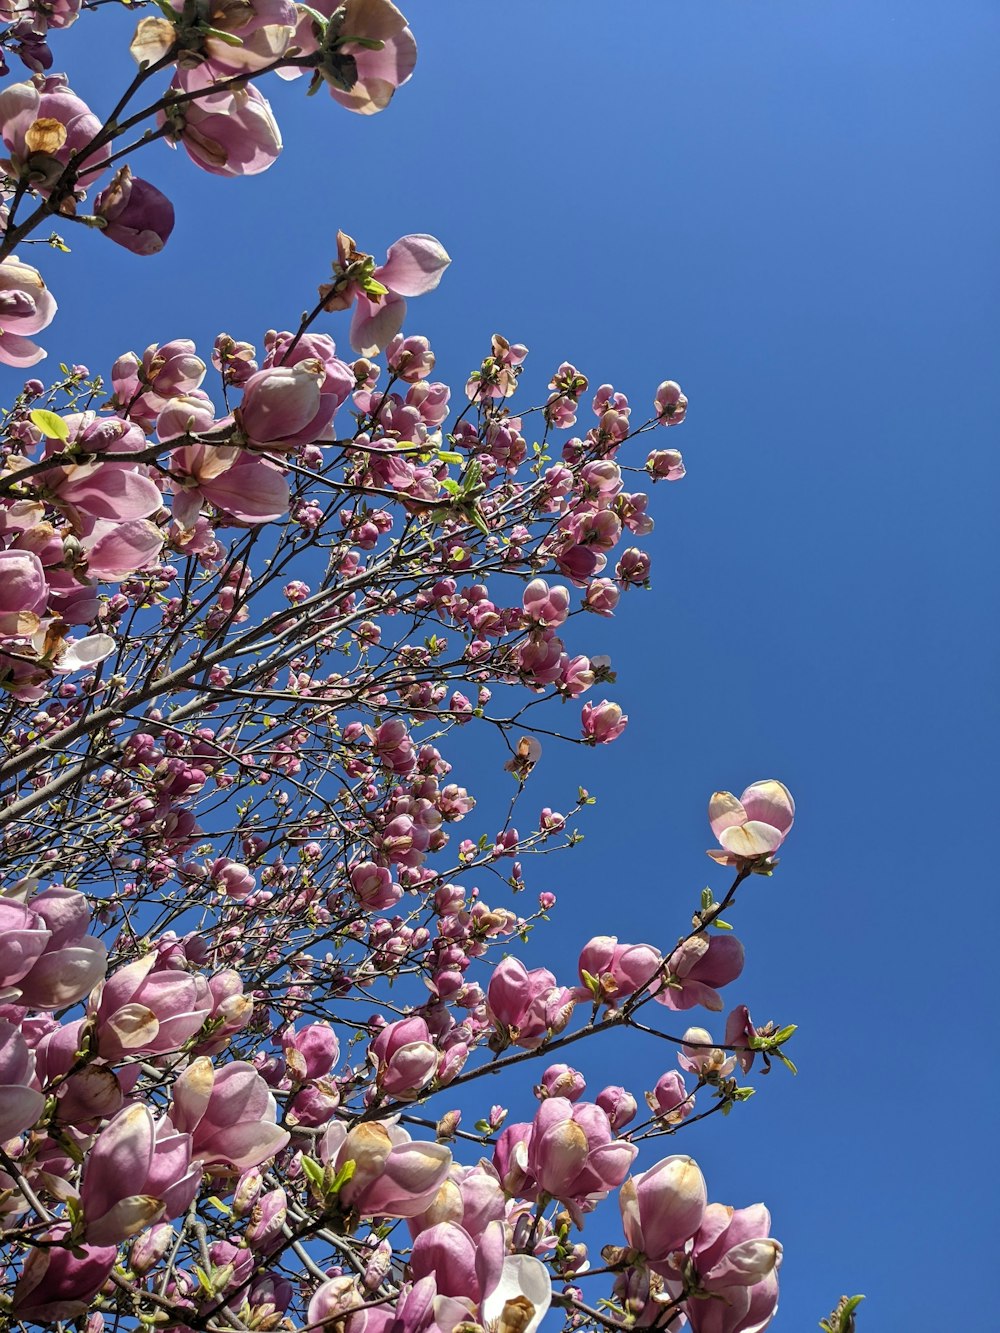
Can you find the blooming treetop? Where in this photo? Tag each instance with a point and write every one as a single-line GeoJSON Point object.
{"type": "Point", "coordinates": [250, 981]}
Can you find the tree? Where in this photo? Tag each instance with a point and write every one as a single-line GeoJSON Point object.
{"type": "Point", "coordinates": [250, 984]}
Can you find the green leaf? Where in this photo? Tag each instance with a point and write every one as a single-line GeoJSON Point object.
{"type": "Point", "coordinates": [345, 1173]}
{"type": "Point", "coordinates": [842, 1319]}
{"type": "Point", "coordinates": [312, 1170]}
{"type": "Point", "coordinates": [227, 38]}
{"type": "Point", "coordinates": [204, 1281]}
{"type": "Point", "coordinates": [476, 516]}
{"type": "Point", "coordinates": [51, 426]}
{"type": "Point", "coordinates": [721, 925]}
{"type": "Point", "coordinates": [446, 456]}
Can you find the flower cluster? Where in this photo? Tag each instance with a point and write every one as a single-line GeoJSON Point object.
{"type": "Point", "coordinates": [258, 943]}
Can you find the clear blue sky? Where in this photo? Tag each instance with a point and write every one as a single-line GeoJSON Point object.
{"type": "Point", "coordinates": [790, 208]}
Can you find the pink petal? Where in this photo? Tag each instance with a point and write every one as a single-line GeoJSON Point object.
{"type": "Point", "coordinates": [770, 802]}
{"type": "Point", "coordinates": [252, 492]}
{"type": "Point", "coordinates": [373, 326]}
{"type": "Point", "coordinates": [751, 839]}
{"type": "Point", "coordinates": [18, 351]}
{"type": "Point", "coordinates": [414, 265]}
{"type": "Point", "coordinates": [20, 1109]}
{"type": "Point", "coordinates": [725, 811]}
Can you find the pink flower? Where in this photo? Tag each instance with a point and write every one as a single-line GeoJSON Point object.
{"type": "Point", "coordinates": [23, 937]}
{"type": "Point", "coordinates": [139, 1011]}
{"type": "Point", "coordinates": [669, 1099]}
{"type": "Point", "coordinates": [406, 1059]}
{"type": "Point", "coordinates": [526, 1007]}
{"type": "Point", "coordinates": [250, 490]}
{"type": "Point", "coordinates": [573, 1154]}
{"type": "Point", "coordinates": [618, 1105]}
{"type": "Point", "coordinates": [263, 30]}
{"type": "Point", "coordinates": [72, 962]}
{"type": "Point", "coordinates": [23, 593]}
{"type": "Point", "coordinates": [413, 266]}
{"type": "Point", "coordinates": [26, 306]}
{"type": "Point", "coordinates": [45, 124]}
{"type": "Point", "coordinates": [561, 1081]}
{"type": "Point", "coordinates": [115, 550]}
{"type": "Point", "coordinates": [740, 1031]}
{"type": "Point", "coordinates": [603, 722]}
{"type": "Point", "coordinates": [229, 1113]}
{"type": "Point", "coordinates": [374, 52]}
{"type": "Point", "coordinates": [670, 404]}
{"type": "Point", "coordinates": [410, 358]}
{"type": "Point", "coordinates": [449, 1253]}
{"type": "Point", "coordinates": [144, 387]}
{"type": "Point", "coordinates": [735, 1262]}
{"type": "Point", "coordinates": [697, 969]}
{"type": "Point", "coordinates": [60, 1281]}
{"type": "Point", "coordinates": [20, 1103]}
{"type": "Point", "coordinates": [138, 216]}
{"type": "Point", "coordinates": [229, 133]}
{"type": "Point", "coordinates": [317, 353]}
{"type": "Point", "coordinates": [135, 1173]}
{"type": "Point", "coordinates": [373, 886]}
{"type": "Point", "coordinates": [663, 1208]}
{"type": "Point", "coordinates": [394, 1176]}
{"type": "Point", "coordinates": [753, 827]}
{"type": "Point", "coordinates": [280, 401]}
{"type": "Point", "coordinates": [312, 1052]}
{"type": "Point", "coordinates": [602, 597]}
{"type": "Point", "coordinates": [611, 971]}
{"type": "Point", "coordinates": [665, 465]}
{"type": "Point", "coordinates": [472, 1196]}
{"type": "Point", "coordinates": [699, 1056]}
{"type": "Point", "coordinates": [633, 568]}
{"type": "Point", "coordinates": [544, 605]}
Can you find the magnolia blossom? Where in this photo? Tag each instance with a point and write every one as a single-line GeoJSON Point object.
{"type": "Point", "coordinates": [44, 125]}
{"type": "Point", "coordinates": [246, 37]}
{"type": "Point", "coordinates": [405, 1057]}
{"type": "Point", "coordinates": [573, 1154]}
{"type": "Point", "coordinates": [696, 971]}
{"type": "Point", "coordinates": [670, 404]}
{"type": "Point", "coordinates": [26, 306]}
{"type": "Point", "coordinates": [663, 1208]}
{"type": "Point", "coordinates": [229, 1113]}
{"type": "Point", "coordinates": [136, 214]}
{"type": "Point", "coordinates": [527, 1006]}
{"type": "Point", "coordinates": [603, 722]}
{"type": "Point", "coordinates": [60, 1280]}
{"type": "Point", "coordinates": [23, 593]}
{"type": "Point", "coordinates": [754, 826]}
{"type": "Point", "coordinates": [47, 959]}
{"type": "Point", "coordinates": [136, 1172]}
{"type": "Point", "coordinates": [139, 1011]}
{"type": "Point", "coordinates": [231, 132]}
{"type": "Point", "coordinates": [373, 52]}
{"type": "Point", "coordinates": [394, 1176]}
{"type": "Point", "coordinates": [735, 1263]}
{"type": "Point", "coordinates": [20, 1103]}
{"type": "Point", "coordinates": [413, 266]}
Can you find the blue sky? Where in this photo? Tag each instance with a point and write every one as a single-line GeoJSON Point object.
{"type": "Point", "coordinates": [790, 208]}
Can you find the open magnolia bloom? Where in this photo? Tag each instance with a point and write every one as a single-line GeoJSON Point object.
{"type": "Point", "coordinates": [521, 1298]}
{"type": "Point", "coordinates": [755, 825]}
